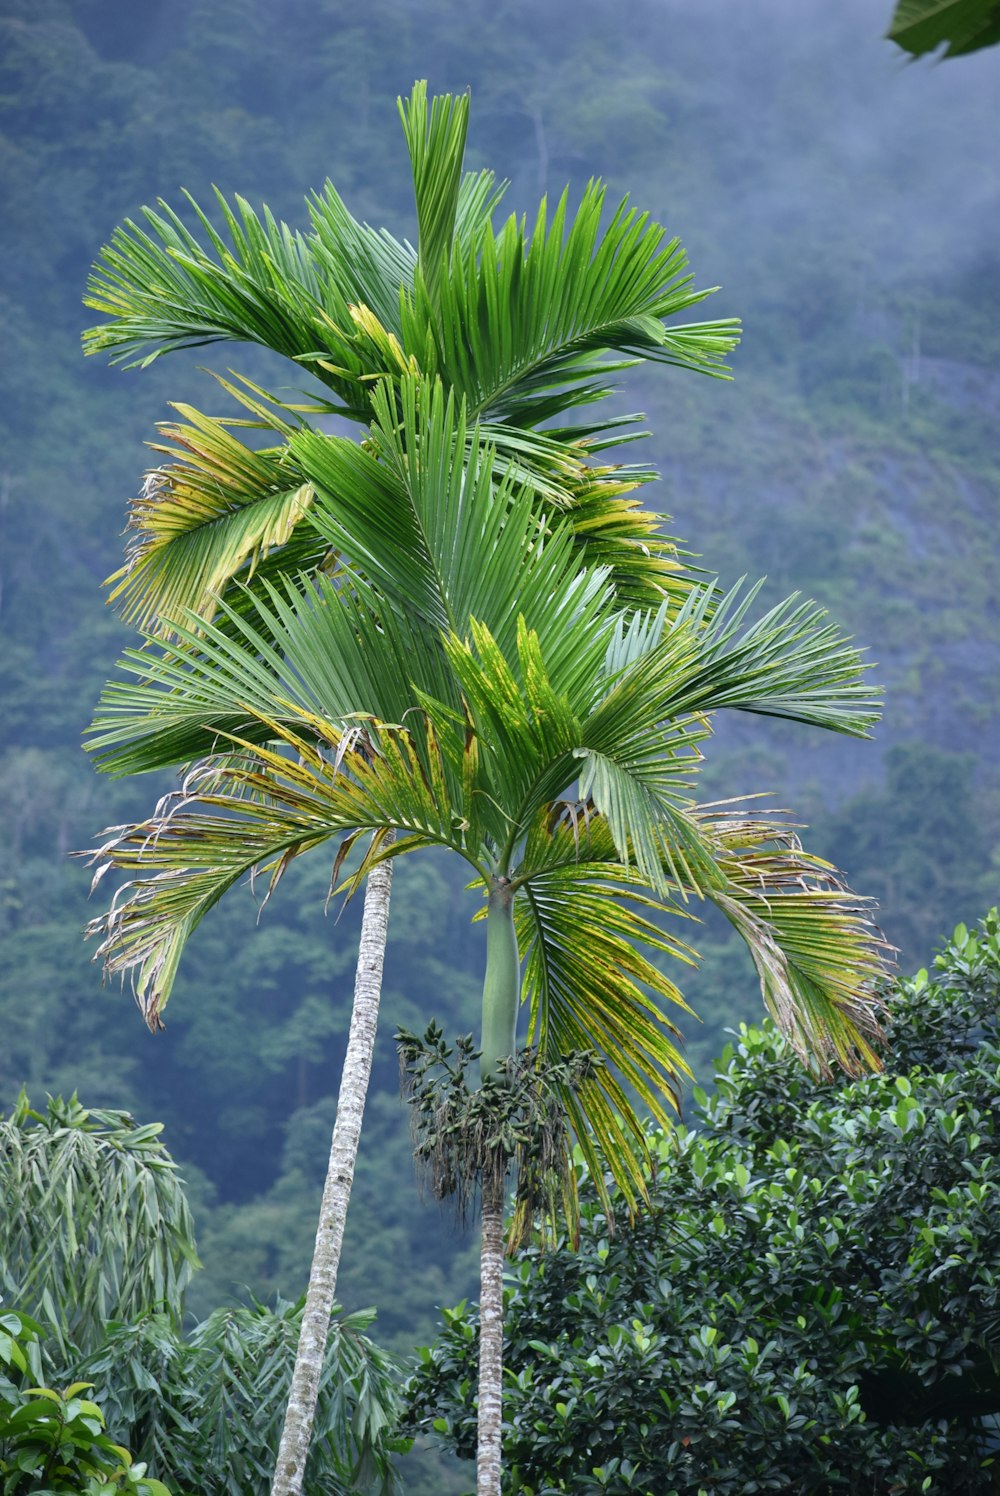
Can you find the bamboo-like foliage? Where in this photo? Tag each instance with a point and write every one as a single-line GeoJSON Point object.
{"type": "Point", "coordinates": [205, 1410]}
{"type": "Point", "coordinates": [94, 1224]}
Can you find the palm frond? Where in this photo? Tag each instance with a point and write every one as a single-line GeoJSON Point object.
{"type": "Point", "coordinates": [479, 196]}
{"type": "Point", "coordinates": [532, 711]}
{"type": "Point", "coordinates": [523, 717]}
{"type": "Point", "coordinates": [600, 994]}
{"type": "Point", "coordinates": [644, 794]}
{"type": "Point", "coordinates": [521, 325]}
{"type": "Point", "coordinates": [818, 953]}
{"type": "Point", "coordinates": [214, 508]}
{"type": "Point", "coordinates": [162, 290]}
{"type": "Point", "coordinates": [788, 663]}
{"type": "Point", "coordinates": [251, 811]}
{"type": "Point", "coordinates": [612, 530]}
{"type": "Point", "coordinates": [421, 513]}
{"type": "Point", "coordinates": [368, 266]}
{"type": "Point", "coordinates": [435, 139]}
{"type": "Point", "coordinates": [307, 651]}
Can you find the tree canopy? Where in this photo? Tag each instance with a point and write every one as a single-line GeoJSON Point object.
{"type": "Point", "coordinates": [814, 1299]}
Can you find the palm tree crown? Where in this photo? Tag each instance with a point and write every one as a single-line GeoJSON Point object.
{"type": "Point", "coordinates": [523, 327]}
{"type": "Point", "coordinates": [463, 682]}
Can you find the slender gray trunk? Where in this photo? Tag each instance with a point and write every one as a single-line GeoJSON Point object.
{"type": "Point", "coordinates": [300, 1414]}
{"type": "Point", "coordinates": [489, 1455]}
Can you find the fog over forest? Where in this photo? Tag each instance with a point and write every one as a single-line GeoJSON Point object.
{"type": "Point", "coordinates": [845, 199]}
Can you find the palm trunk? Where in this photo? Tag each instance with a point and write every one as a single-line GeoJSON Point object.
{"type": "Point", "coordinates": [501, 988]}
{"type": "Point", "coordinates": [489, 1455]}
{"type": "Point", "coordinates": [301, 1411]}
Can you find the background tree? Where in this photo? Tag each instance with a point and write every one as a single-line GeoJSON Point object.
{"type": "Point", "coordinates": [811, 1303]}
{"type": "Point", "coordinates": [95, 1224]}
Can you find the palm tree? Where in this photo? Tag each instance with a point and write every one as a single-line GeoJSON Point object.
{"type": "Point", "coordinates": [465, 682]}
{"type": "Point", "coordinates": [518, 325]}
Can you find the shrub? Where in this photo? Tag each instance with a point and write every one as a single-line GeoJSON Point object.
{"type": "Point", "coordinates": [55, 1440]}
{"type": "Point", "coordinates": [810, 1305]}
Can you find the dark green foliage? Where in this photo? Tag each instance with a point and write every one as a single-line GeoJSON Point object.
{"type": "Point", "coordinates": [467, 1137]}
{"type": "Point", "coordinates": [959, 26]}
{"type": "Point", "coordinates": [54, 1441]}
{"type": "Point", "coordinates": [204, 1411]}
{"type": "Point", "coordinates": [96, 1239]}
{"type": "Point", "coordinates": [208, 1408]}
{"type": "Point", "coordinates": [811, 1306]}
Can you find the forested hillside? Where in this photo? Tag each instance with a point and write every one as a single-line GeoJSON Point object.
{"type": "Point", "coordinates": [848, 206]}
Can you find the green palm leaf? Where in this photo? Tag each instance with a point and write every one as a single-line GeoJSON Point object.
{"type": "Point", "coordinates": [601, 995]}
{"type": "Point", "coordinates": [404, 507]}
{"type": "Point", "coordinates": [819, 957]}
{"type": "Point", "coordinates": [818, 953]}
{"type": "Point", "coordinates": [421, 513]}
{"type": "Point", "coordinates": [612, 530]}
{"type": "Point", "coordinates": [520, 325]}
{"type": "Point", "coordinates": [920, 26]}
{"type": "Point", "coordinates": [322, 651]}
{"type": "Point", "coordinates": [163, 290]}
{"type": "Point", "coordinates": [644, 798]}
{"type": "Point", "coordinates": [368, 266]}
{"type": "Point", "coordinates": [252, 810]}
{"type": "Point", "coordinates": [435, 139]}
{"type": "Point", "coordinates": [788, 663]}
{"type": "Point", "coordinates": [216, 508]}
{"type": "Point", "coordinates": [523, 717]}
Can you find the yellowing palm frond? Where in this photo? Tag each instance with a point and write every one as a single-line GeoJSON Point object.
{"type": "Point", "coordinates": [583, 917]}
{"type": "Point", "coordinates": [818, 953]}
{"type": "Point", "coordinates": [252, 809]}
{"type": "Point", "coordinates": [214, 509]}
